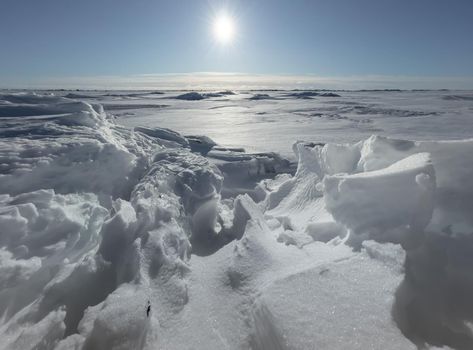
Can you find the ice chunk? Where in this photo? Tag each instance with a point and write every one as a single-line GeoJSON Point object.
{"type": "Point", "coordinates": [195, 96]}
{"type": "Point", "coordinates": [448, 158]}
{"type": "Point", "coordinates": [16, 271]}
{"type": "Point", "coordinates": [258, 97]}
{"type": "Point", "coordinates": [79, 150]}
{"type": "Point", "coordinates": [120, 322]}
{"type": "Point", "coordinates": [164, 134]}
{"type": "Point", "coordinates": [303, 94]}
{"type": "Point", "coordinates": [45, 334]}
{"type": "Point", "coordinates": [329, 94]}
{"type": "Point", "coordinates": [378, 203]}
{"type": "Point", "coordinates": [200, 144]}
{"type": "Point", "coordinates": [298, 201]}
{"type": "Point", "coordinates": [453, 173]}
{"type": "Point", "coordinates": [191, 96]}
{"type": "Point", "coordinates": [118, 232]}
{"type": "Point", "coordinates": [324, 231]}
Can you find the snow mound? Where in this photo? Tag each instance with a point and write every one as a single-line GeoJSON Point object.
{"type": "Point", "coordinates": [226, 93]}
{"type": "Point", "coordinates": [191, 96]}
{"type": "Point", "coordinates": [417, 185]}
{"type": "Point", "coordinates": [394, 199]}
{"type": "Point", "coordinates": [392, 191]}
{"type": "Point", "coordinates": [310, 94]}
{"type": "Point", "coordinates": [303, 94]}
{"type": "Point", "coordinates": [329, 94]}
{"type": "Point", "coordinates": [257, 97]}
{"type": "Point", "coordinates": [195, 96]}
{"type": "Point", "coordinates": [79, 149]}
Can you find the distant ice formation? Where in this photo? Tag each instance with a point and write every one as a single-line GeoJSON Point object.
{"type": "Point", "coordinates": [310, 94]}
{"type": "Point", "coordinates": [194, 96]}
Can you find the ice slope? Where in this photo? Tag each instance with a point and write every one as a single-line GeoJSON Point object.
{"type": "Point", "coordinates": [117, 238]}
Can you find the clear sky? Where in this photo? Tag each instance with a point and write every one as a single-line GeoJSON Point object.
{"type": "Point", "coordinates": [331, 38]}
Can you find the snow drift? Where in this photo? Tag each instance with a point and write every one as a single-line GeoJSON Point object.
{"type": "Point", "coordinates": [116, 238]}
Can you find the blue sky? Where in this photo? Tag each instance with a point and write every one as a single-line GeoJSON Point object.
{"type": "Point", "coordinates": [55, 39]}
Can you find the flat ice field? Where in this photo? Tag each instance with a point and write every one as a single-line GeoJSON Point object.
{"type": "Point", "coordinates": [236, 220]}
{"type": "Point", "coordinates": [266, 121]}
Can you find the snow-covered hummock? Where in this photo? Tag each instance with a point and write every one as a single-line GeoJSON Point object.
{"type": "Point", "coordinates": [117, 238]}
{"type": "Point", "coordinates": [400, 203]}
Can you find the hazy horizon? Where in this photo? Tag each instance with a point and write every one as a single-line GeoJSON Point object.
{"type": "Point", "coordinates": [240, 81]}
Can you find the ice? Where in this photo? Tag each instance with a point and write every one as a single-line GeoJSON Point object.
{"type": "Point", "coordinates": [397, 200]}
{"type": "Point", "coordinates": [164, 135]}
{"type": "Point", "coordinates": [195, 96]}
{"type": "Point", "coordinates": [272, 125]}
{"type": "Point", "coordinates": [73, 151]}
{"type": "Point", "coordinates": [16, 271]}
{"type": "Point", "coordinates": [329, 94]}
{"type": "Point", "coordinates": [128, 331]}
{"type": "Point", "coordinates": [200, 143]}
{"type": "Point", "coordinates": [140, 237]}
{"type": "Point", "coordinates": [257, 97]}
{"type": "Point", "coordinates": [43, 335]}
{"type": "Point", "coordinates": [310, 94]}
{"type": "Point", "coordinates": [453, 193]}
{"type": "Point", "coordinates": [242, 171]}
{"type": "Point", "coordinates": [303, 94]}
{"type": "Point", "coordinates": [191, 96]}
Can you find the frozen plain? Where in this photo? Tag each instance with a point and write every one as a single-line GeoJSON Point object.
{"type": "Point", "coordinates": [342, 240]}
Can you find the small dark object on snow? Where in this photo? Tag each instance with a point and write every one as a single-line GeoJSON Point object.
{"type": "Point", "coordinates": [148, 309]}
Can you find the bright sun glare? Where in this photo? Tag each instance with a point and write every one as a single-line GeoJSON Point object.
{"type": "Point", "coordinates": [224, 29]}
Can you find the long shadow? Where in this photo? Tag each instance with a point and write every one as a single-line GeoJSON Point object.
{"type": "Point", "coordinates": [434, 303]}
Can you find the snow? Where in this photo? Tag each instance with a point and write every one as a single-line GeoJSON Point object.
{"type": "Point", "coordinates": [397, 200]}
{"type": "Point", "coordinates": [287, 315]}
{"type": "Point", "coordinates": [272, 123]}
{"type": "Point", "coordinates": [354, 241]}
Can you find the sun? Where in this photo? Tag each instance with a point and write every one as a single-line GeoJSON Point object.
{"type": "Point", "coordinates": [224, 29]}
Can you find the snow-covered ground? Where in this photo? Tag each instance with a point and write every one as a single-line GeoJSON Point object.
{"type": "Point", "coordinates": [270, 121]}
{"type": "Point", "coordinates": [136, 220]}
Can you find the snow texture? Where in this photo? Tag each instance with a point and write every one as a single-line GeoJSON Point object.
{"type": "Point", "coordinates": [115, 237]}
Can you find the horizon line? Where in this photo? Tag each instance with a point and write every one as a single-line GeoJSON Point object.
{"type": "Point", "coordinates": [238, 81]}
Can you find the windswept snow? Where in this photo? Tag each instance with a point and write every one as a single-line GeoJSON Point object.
{"type": "Point", "coordinates": [143, 237]}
